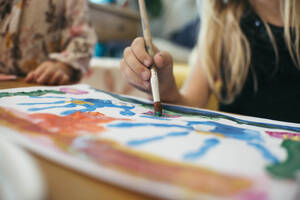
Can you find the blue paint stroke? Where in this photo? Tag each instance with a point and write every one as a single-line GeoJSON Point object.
{"type": "Point", "coordinates": [226, 130]}
{"type": "Point", "coordinates": [216, 115]}
{"type": "Point", "coordinates": [48, 107]}
{"type": "Point", "coordinates": [46, 97]}
{"type": "Point", "coordinates": [204, 114]}
{"type": "Point", "coordinates": [48, 103]}
{"type": "Point", "coordinates": [90, 105]}
{"type": "Point", "coordinates": [132, 125]}
{"type": "Point", "coordinates": [208, 144]}
{"type": "Point", "coordinates": [155, 117]}
{"type": "Point", "coordinates": [229, 131]}
{"type": "Point", "coordinates": [138, 142]}
{"type": "Point", "coordinates": [265, 152]}
{"type": "Point", "coordinates": [251, 137]}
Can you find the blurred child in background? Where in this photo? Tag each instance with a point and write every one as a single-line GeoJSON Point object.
{"type": "Point", "coordinates": [48, 42]}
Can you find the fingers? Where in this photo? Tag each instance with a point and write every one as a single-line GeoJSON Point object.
{"type": "Point", "coordinates": [30, 77]}
{"type": "Point", "coordinates": [134, 64]}
{"type": "Point", "coordinates": [56, 78]}
{"type": "Point", "coordinates": [64, 80]}
{"type": "Point", "coordinates": [39, 70]}
{"type": "Point", "coordinates": [133, 78]}
{"type": "Point", "coordinates": [33, 76]}
{"type": "Point", "coordinates": [59, 78]}
{"type": "Point", "coordinates": [163, 59]}
{"type": "Point", "coordinates": [45, 75]}
{"type": "Point", "coordinates": [50, 73]}
{"type": "Point", "coordinates": [140, 52]}
{"type": "Point", "coordinates": [136, 61]}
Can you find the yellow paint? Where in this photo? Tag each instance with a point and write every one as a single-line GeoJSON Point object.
{"type": "Point", "coordinates": [210, 133]}
{"type": "Point", "coordinates": [79, 102]}
{"type": "Point", "coordinates": [285, 137]}
{"type": "Point", "coordinates": [296, 138]}
{"type": "Point", "coordinates": [72, 90]}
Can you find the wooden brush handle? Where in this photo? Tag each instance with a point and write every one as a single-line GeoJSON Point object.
{"type": "Point", "coordinates": [146, 28]}
{"type": "Point", "coordinates": [150, 50]}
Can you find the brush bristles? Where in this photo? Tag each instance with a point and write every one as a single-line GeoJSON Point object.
{"type": "Point", "coordinates": [158, 108]}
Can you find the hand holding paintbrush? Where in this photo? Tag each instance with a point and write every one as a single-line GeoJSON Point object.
{"type": "Point", "coordinates": [142, 68]}
{"type": "Point", "coordinates": [150, 50]}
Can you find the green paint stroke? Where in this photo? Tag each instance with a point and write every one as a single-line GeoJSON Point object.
{"type": "Point", "coordinates": [291, 165]}
{"type": "Point", "coordinates": [32, 93]}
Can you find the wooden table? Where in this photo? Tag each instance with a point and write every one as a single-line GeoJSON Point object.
{"type": "Point", "coordinates": [65, 184]}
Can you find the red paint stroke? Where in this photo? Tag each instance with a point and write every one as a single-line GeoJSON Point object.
{"type": "Point", "coordinates": [20, 121]}
{"type": "Point", "coordinates": [196, 178]}
{"type": "Point", "coordinates": [284, 135]}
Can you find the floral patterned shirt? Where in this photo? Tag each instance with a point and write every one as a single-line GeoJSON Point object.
{"type": "Point", "coordinates": [33, 31]}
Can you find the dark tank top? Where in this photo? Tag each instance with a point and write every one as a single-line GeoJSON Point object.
{"type": "Point", "coordinates": [278, 83]}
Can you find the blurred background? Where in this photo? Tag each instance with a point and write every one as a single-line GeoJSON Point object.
{"type": "Point", "coordinates": [174, 23]}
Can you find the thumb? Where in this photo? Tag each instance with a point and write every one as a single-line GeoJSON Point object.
{"type": "Point", "coordinates": [163, 59]}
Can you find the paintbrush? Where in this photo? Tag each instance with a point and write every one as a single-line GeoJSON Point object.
{"type": "Point", "coordinates": [150, 50]}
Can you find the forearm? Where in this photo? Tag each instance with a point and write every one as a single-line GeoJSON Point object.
{"type": "Point", "coordinates": [182, 97]}
{"type": "Point", "coordinates": [185, 100]}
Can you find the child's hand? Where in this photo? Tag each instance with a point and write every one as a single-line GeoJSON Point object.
{"type": "Point", "coordinates": [51, 73]}
{"type": "Point", "coordinates": [135, 65]}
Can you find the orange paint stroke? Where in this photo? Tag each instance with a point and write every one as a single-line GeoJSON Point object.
{"type": "Point", "coordinates": [73, 125]}
{"type": "Point", "coordinates": [69, 126]}
{"type": "Point", "coordinates": [20, 121]}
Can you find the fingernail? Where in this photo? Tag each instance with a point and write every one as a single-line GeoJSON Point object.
{"type": "Point", "coordinates": [147, 62]}
{"type": "Point", "coordinates": [145, 75]}
{"type": "Point", "coordinates": [161, 57]}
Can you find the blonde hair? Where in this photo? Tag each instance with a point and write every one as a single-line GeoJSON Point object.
{"type": "Point", "coordinates": [224, 49]}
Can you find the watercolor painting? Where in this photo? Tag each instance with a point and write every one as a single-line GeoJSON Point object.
{"type": "Point", "coordinates": [185, 153]}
